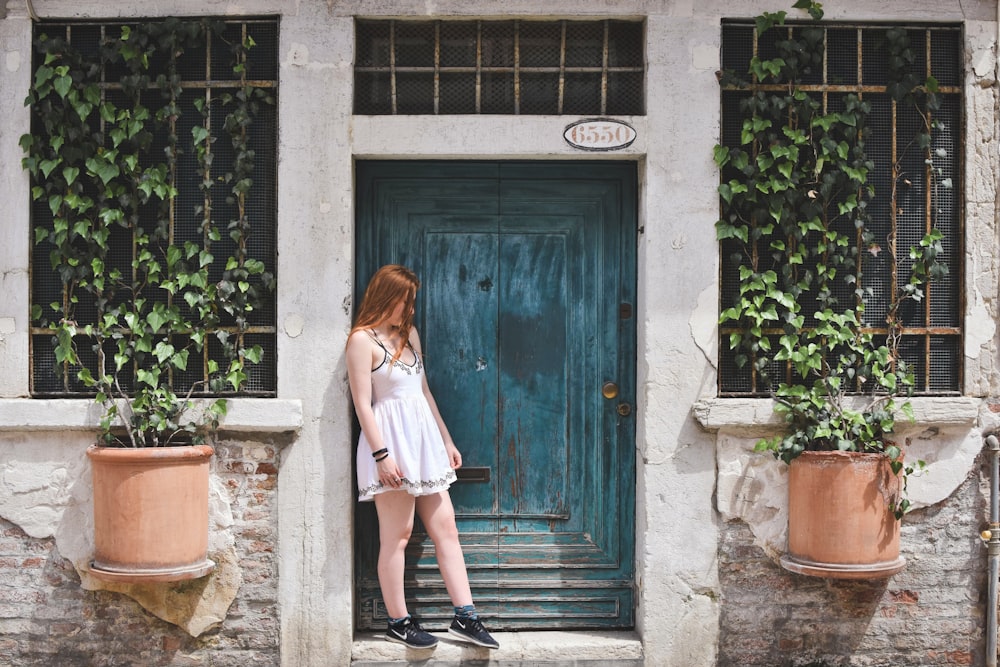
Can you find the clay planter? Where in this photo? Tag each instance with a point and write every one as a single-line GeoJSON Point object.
{"type": "Point", "coordinates": [150, 513]}
{"type": "Point", "coordinates": [840, 524]}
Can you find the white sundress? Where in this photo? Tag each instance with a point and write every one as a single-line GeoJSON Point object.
{"type": "Point", "coordinates": [408, 429]}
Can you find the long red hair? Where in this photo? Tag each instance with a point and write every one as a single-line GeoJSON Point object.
{"type": "Point", "coordinates": [390, 285]}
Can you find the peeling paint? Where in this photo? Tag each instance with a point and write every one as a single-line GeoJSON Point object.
{"type": "Point", "coordinates": [984, 64]}
{"type": "Point", "coordinates": [980, 328]}
{"type": "Point", "coordinates": [298, 56]}
{"type": "Point", "coordinates": [13, 61]}
{"type": "Point", "coordinates": [703, 323]}
{"type": "Point", "coordinates": [294, 325]}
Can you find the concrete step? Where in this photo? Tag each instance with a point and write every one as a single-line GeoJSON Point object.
{"type": "Point", "coordinates": [517, 649]}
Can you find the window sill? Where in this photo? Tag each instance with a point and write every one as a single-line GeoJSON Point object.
{"type": "Point", "coordinates": [245, 415]}
{"type": "Point", "coordinates": [725, 413]}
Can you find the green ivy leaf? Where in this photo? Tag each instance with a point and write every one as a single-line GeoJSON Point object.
{"type": "Point", "coordinates": [219, 407]}
{"type": "Point", "coordinates": [721, 155]}
{"type": "Point", "coordinates": [62, 85]}
{"type": "Point", "coordinates": [726, 193]}
{"type": "Point", "coordinates": [254, 354]}
{"type": "Point", "coordinates": [55, 202]}
{"type": "Point", "coordinates": [48, 166]}
{"type": "Point", "coordinates": [102, 168]}
{"type": "Point", "coordinates": [70, 174]}
{"type": "Point", "coordinates": [163, 351]}
{"type": "Point", "coordinates": [254, 266]}
{"type": "Point", "coordinates": [156, 319]}
{"type": "Point", "coordinates": [814, 8]}
{"type": "Point", "coordinates": [148, 377]}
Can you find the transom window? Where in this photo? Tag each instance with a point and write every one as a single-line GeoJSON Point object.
{"type": "Point", "coordinates": [912, 192]}
{"type": "Point", "coordinates": [499, 67]}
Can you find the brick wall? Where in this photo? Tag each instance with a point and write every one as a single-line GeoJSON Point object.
{"type": "Point", "coordinates": [47, 619]}
{"type": "Point", "coordinates": [932, 613]}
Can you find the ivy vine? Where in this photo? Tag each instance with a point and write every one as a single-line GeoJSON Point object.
{"type": "Point", "coordinates": [130, 322]}
{"type": "Point", "coordinates": [795, 222]}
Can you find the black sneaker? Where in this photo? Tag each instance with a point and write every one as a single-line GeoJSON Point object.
{"type": "Point", "coordinates": [472, 630]}
{"type": "Point", "coordinates": [408, 632]}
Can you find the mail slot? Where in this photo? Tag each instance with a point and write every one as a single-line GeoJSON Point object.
{"type": "Point", "coordinates": [472, 474]}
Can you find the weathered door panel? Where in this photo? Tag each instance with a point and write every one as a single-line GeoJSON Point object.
{"type": "Point", "coordinates": [463, 349]}
{"type": "Point", "coordinates": [536, 385]}
{"type": "Point", "coordinates": [525, 267]}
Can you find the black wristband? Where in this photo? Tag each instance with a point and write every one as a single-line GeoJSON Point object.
{"type": "Point", "coordinates": [383, 457]}
{"type": "Point", "coordinates": [381, 451]}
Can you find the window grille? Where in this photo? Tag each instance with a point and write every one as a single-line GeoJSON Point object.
{"type": "Point", "coordinates": [206, 73]}
{"type": "Point", "coordinates": [499, 67]}
{"type": "Point", "coordinates": [855, 61]}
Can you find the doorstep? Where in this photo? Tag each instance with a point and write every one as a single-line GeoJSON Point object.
{"type": "Point", "coordinates": [517, 649]}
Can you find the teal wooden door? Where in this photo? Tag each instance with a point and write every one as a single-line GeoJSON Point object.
{"type": "Point", "coordinates": [526, 316]}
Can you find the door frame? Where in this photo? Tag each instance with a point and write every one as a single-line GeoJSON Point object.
{"type": "Point", "coordinates": [625, 431]}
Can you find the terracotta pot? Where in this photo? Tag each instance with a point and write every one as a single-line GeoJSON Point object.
{"type": "Point", "coordinates": [840, 523]}
{"type": "Point", "coordinates": [150, 513]}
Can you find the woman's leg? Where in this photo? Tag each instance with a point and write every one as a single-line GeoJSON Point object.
{"type": "Point", "coordinates": [438, 516]}
{"type": "Point", "coordinates": [395, 523]}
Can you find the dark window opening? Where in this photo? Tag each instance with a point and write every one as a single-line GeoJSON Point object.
{"type": "Point", "coordinates": [855, 61]}
{"type": "Point", "coordinates": [206, 78]}
{"type": "Point", "coordinates": [499, 67]}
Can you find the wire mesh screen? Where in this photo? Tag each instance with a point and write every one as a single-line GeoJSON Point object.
{"type": "Point", "coordinates": [210, 77]}
{"type": "Point", "coordinates": [909, 196]}
{"type": "Point", "coordinates": [499, 67]}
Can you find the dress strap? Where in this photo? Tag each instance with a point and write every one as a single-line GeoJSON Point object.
{"type": "Point", "coordinates": [374, 337]}
{"type": "Point", "coordinates": [385, 352]}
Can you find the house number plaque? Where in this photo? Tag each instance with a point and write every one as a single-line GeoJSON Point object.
{"type": "Point", "coordinates": [598, 134]}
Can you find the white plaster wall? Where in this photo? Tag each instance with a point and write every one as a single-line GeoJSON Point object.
{"type": "Point", "coordinates": [315, 282]}
{"type": "Point", "coordinates": [694, 467]}
{"type": "Point", "coordinates": [676, 532]}
{"type": "Point", "coordinates": [15, 77]}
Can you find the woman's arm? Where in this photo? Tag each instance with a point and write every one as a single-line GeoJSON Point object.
{"type": "Point", "coordinates": [453, 454]}
{"type": "Point", "coordinates": [361, 356]}
{"type": "Point", "coordinates": [360, 359]}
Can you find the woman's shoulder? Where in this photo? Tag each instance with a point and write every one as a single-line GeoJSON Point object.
{"type": "Point", "coordinates": [360, 337]}
{"type": "Point", "coordinates": [414, 339]}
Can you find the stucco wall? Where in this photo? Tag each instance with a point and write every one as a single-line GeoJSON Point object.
{"type": "Point", "coordinates": [698, 485]}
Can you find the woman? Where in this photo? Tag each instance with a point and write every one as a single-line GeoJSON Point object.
{"type": "Point", "coordinates": [406, 457]}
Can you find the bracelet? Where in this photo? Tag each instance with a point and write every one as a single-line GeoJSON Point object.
{"type": "Point", "coordinates": [384, 457]}
{"type": "Point", "coordinates": [381, 451]}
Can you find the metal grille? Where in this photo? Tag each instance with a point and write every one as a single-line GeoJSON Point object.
{"type": "Point", "coordinates": [206, 72]}
{"type": "Point", "coordinates": [855, 62]}
{"type": "Point", "coordinates": [499, 67]}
